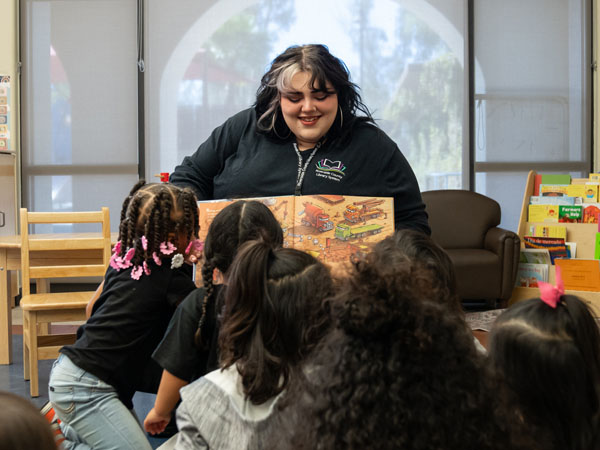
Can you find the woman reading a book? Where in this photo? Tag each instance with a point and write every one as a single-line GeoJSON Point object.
{"type": "Point", "coordinates": [307, 133]}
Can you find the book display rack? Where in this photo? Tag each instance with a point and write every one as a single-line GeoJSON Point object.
{"type": "Point", "coordinates": [584, 234]}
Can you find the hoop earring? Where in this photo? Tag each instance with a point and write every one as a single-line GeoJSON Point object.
{"type": "Point", "coordinates": [341, 117]}
{"type": "Point", "coordinates": [275, 128]}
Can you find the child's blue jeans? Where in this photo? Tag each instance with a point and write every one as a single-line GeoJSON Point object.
{"type": "Point", "coordinates": [90, 410]}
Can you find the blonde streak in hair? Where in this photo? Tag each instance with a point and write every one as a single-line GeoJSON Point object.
{"type": "Point", "coordinates": [281, 80]}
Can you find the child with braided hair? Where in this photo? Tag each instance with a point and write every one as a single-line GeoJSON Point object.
{"type": "Point", "coordinates": [189, 347]}
{"type": "Point", "coordinates": [93, 381]}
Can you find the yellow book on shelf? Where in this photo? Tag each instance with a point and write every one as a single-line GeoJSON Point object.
{"type": "Point", "coordinates": [591, 192]}
{"type": "Point", "coordinates": [553, 190]}
{"type": "Point", "coordinates": [554, 231]}
{"type": "Point", "coordinates": [543, 213]}
{"type": "Point", "coordinates": [576, 190]}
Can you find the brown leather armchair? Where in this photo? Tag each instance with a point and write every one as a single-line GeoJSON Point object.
{"type": "Point", "coordinates": [486, 257]}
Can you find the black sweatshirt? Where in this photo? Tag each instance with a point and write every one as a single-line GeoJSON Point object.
{"type": "Point", "coordinates": [236, 161]}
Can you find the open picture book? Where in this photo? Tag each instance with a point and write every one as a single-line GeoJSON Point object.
{"type": "Point", "coordinates": [329, 227]}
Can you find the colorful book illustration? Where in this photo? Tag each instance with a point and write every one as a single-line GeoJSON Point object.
{"type": "Point", "coordinates": [535, 256]}
{"type": "Point", "coordinates": [570, 214]}
{"type": "Point", "coordinates": [580, 274]}
{"type": "Point", "coordinates": [555, 231]}
{"type": "Point", "coordinates": [330, 227]}
{"type": "Point", "coordinates": [591, 212]}
{"type": "Point", "coordinates": [555, 246]}
{"type": "Point", "coordinates": [528, 275]}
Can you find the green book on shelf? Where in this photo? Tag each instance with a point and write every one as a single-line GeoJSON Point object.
{"type": "Point", "coordinates": [556, 179]}
{"type": "Point", "coordinates": [597, 247]}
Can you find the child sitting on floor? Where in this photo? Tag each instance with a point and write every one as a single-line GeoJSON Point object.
{"type": "Point", "coordinates": [548, 351]}
{"type": "Point", "coordinates": [273, 316]}
{"type": "Point", "coordinates": [189, 347]}
{"type": "Point", "coordinates": [398, 370]}
{"type": "Point", "coordinates": [93, 381]}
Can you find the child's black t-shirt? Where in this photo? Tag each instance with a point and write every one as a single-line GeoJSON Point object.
{"type": "Point", "coordinates": [177, 352]}
{"type": "Point", "coordinates": [128, 321]}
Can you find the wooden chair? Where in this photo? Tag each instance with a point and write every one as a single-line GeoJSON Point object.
{"type": "Point", "coordinates": [45, 256]}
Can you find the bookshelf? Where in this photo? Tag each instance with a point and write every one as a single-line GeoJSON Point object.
{"type": "Point", "coordinates": [584, 234]}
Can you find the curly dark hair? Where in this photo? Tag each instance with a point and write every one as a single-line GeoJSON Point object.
{"type": "Point", "coordinates": [159, 211]}
{"type": "Point", "coordinates": [273, 317]}
{"type": "Point", "coordinates": [324, 68]}
{"type": "Point", "coordinates": [398, 371]}
{"type": "Point", "coordinates": [237, 223]}
{"type": "Point", "coordinates": [550, 359]}
{"type": "Point", "coordinates": [428, 256]}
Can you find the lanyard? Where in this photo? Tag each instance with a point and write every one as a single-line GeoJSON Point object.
{"type": "Point", "coordinates": [301, 168]}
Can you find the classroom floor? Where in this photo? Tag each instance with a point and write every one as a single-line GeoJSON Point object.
{"type": "Point", "coordinates": [11, 379]}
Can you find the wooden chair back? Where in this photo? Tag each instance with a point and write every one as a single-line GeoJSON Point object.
{"type": "Point", "coordinates": [44, 256]}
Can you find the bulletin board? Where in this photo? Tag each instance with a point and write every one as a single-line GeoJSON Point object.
{"type": "Point", "coordinates": [4, 112]}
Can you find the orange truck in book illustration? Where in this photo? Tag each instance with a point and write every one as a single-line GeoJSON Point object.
{"type": "Point", "coordinates": [364, 210]}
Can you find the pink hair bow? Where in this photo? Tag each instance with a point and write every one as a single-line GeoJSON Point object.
{"type": "Point", "coordinates": [551, 294]}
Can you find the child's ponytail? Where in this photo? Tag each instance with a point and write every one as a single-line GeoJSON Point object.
{"type": "Point", "coordinates": [235, 224]}
{"type": "Point", "coordinates": [273, 315]}
{"type": "Point", "coordinates": [248, 287]}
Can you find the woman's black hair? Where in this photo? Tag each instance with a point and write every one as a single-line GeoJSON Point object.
{"type": "Point", "coordinates": [273, 315]}
{"type": "Point", "coordinates": [237, 223]}
{"type": "Point", "coordinates": [324, 68]}
{"type": "Point", "coordinates": [550, 359]}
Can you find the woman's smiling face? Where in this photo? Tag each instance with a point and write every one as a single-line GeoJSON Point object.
{"type": "Point", "coordinates": [308, 111]}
